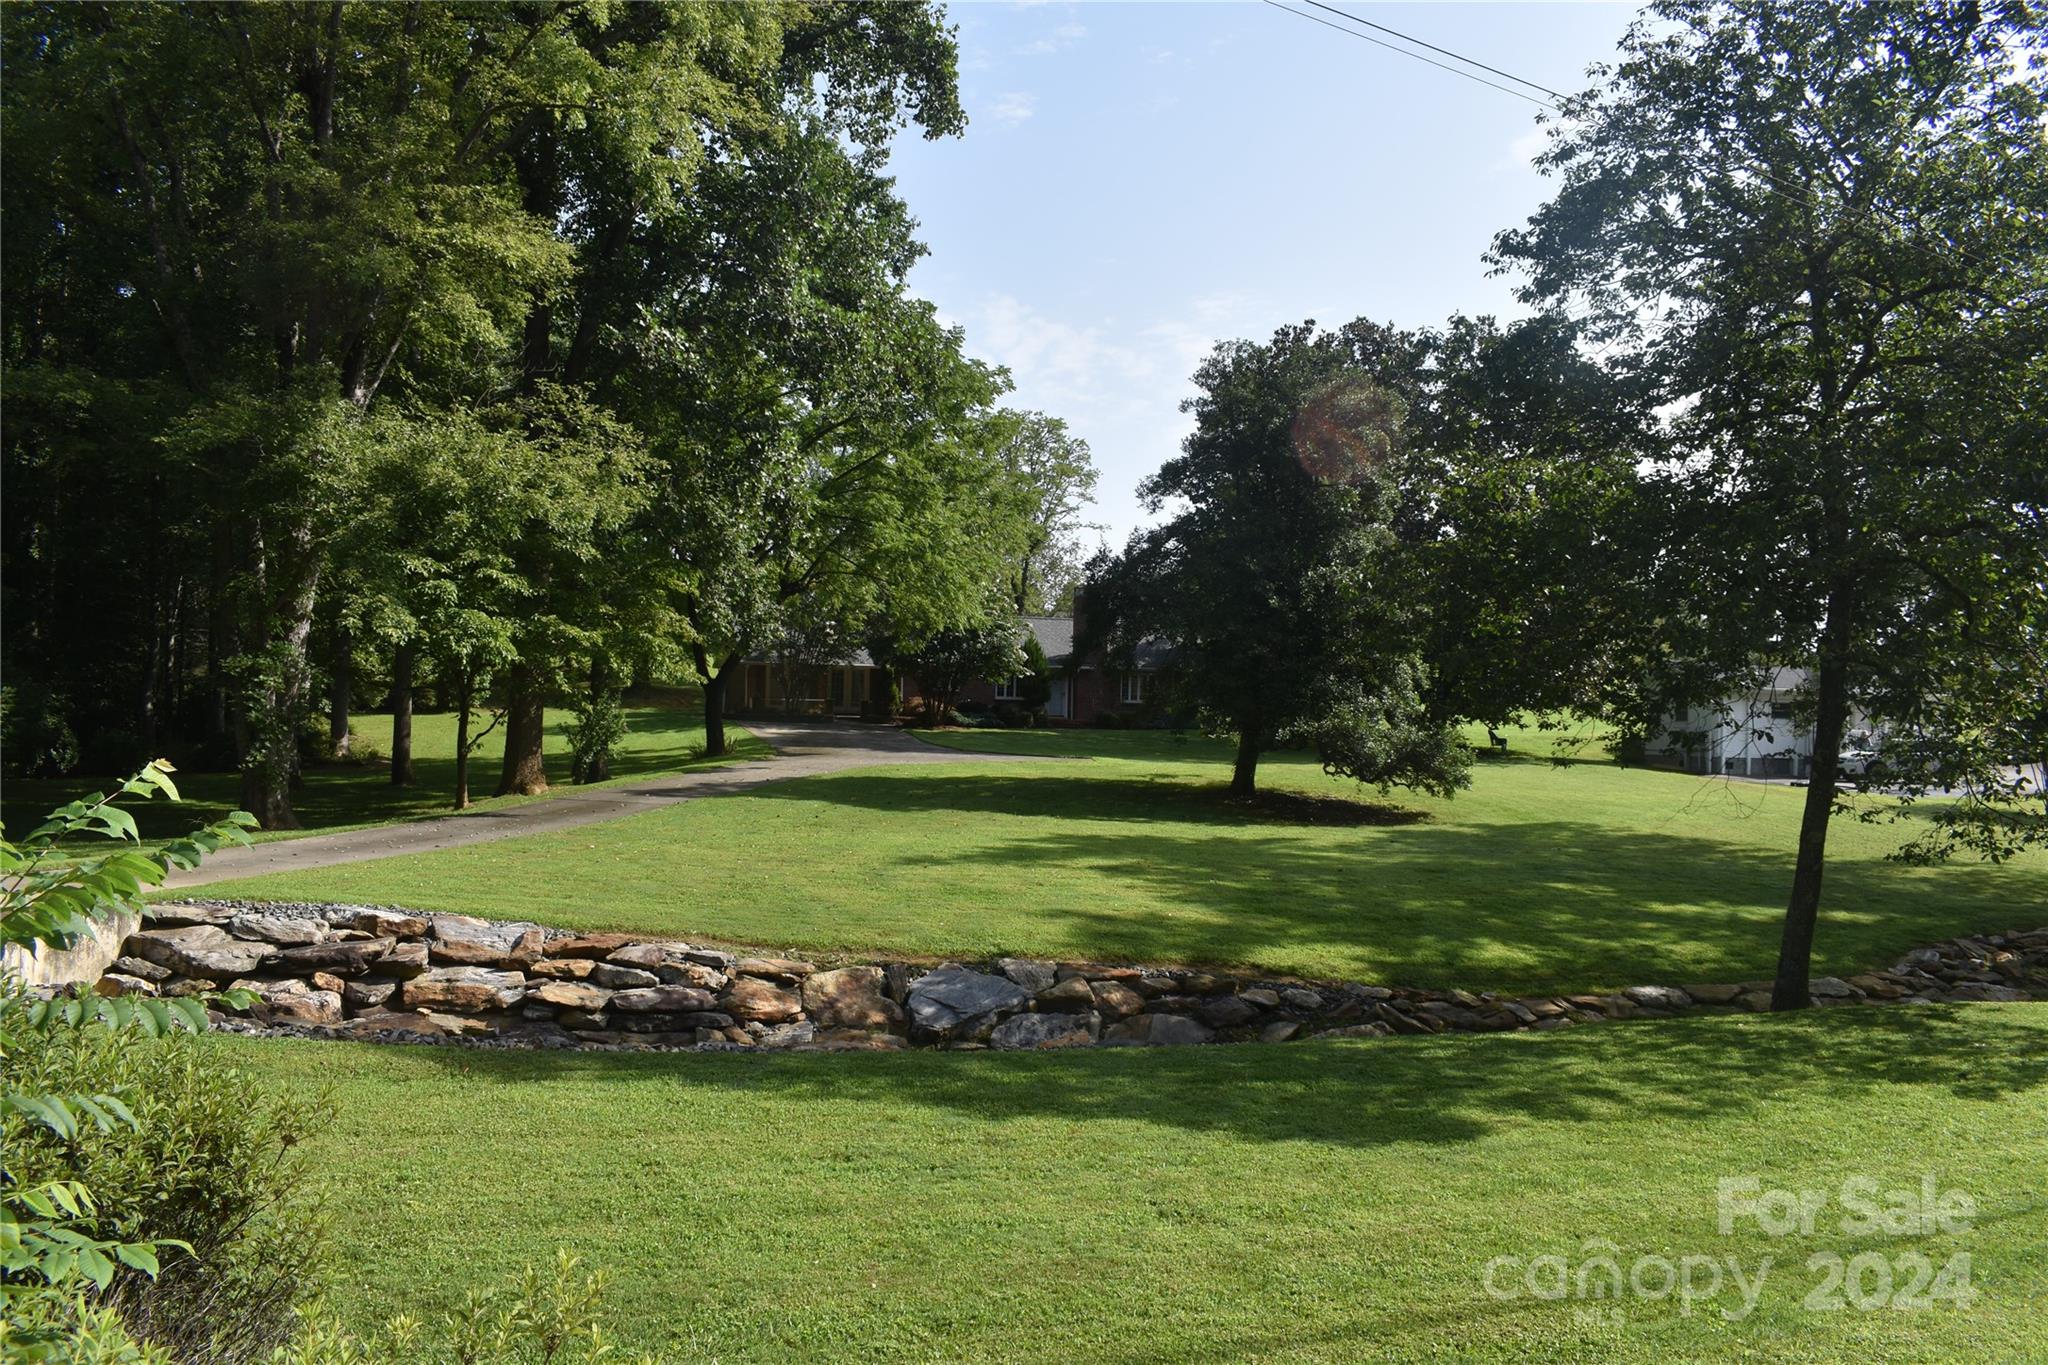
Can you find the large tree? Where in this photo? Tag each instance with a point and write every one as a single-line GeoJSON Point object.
{"type": "Point", "coordinates": [1048, 468]}
{"type": "Point", "coordinates": [244, 267]}
{"type": "Point", "coordinates": [1280, 584]}
{"type": "Point", "coordinates": [213, 287]}
{"type": "Point", "coordinates": [1521, 504]}
{"type": "Point", "coordinates": [825, 442]}
{"type": "Point", "coordinates": [1820, 235]}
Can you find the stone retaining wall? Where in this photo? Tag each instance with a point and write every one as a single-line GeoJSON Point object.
{"type": "Point", "coordinates": [382, 973]}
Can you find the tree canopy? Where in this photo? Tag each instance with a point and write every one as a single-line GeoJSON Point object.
{"type": "Point", "coordinates": [525, 343]}
{"type": "Point", "coordinates": [1280, 586]}
{"type": "Point", "coordinates": [1815, 237]}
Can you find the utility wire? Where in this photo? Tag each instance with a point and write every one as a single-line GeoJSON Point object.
{"type": "Point", "coordinates": [1454, 56]}
{"type": "Point", "coordinates": [1791, 194]}
{"type": "Point", "coordinates": [1367, 37]}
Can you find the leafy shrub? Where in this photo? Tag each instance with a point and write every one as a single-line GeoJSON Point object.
{"type": "Point", "coordinates": [51, 1326]}
{"type": "Point", "coordinates": [212, 1162]}
{"type": "Point", "coordinates": [546, 1319]}
{"type": "Point", "coordinates": [35, 734]}
{"type": "Point", "coordinates": [599, 725]}
{"type": "Point", "coordinates": [57, 1258]}
{"type": "Point", "coordinates": [315, 743]}
{"type": "Point", "coordinates": [1108, 720]}
{"type": "Point", "coordinates": [1034, 682]}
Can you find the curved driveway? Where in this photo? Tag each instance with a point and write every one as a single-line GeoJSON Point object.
{"type": "Point", "coordinates": [801, 750]}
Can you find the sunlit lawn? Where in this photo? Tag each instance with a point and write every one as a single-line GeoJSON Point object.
{"type": "Point", "coordinates": [1538, 878]}
{"type": "Point", "coordinates": [1313, 1202]}
{"type": "Point", "coordinates": [659, 739]}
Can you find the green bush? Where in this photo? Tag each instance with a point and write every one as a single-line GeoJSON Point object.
{"type": "Point", "coordinates": [51, 1326]}
{"type": "Point", "coordinates": [35, 735]}
{"type": "Point", "coordinates": [212, 1162]}
{"type": "Point", "coordinates": [599, 725]}
{"type": "Point", "coordinates": [1034, 683]}
{"type": "Point", "coordinates": [546, 1318]}
{"type": "Point", "coordinates": [315, 744]}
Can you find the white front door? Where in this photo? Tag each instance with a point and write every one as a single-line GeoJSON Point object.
{"type": "Point", "coordinates": [1056, 705]}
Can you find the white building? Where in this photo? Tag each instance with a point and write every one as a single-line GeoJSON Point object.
{"type": "Point", "coordinates": [1753, 733]}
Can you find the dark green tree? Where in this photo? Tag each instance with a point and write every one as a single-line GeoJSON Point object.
{"type": "Point", "coordinates": [1820, 236]}
{"type": "Point", "coordinates": [1280, 585]}
{"type": "Point", "coordinates": [954, 657]}
{"type": "Point", "coordinates": [825, 442]}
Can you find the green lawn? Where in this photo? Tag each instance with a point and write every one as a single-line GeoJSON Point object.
{"type": "Point", "coordinates": [1314, 1202]}
{"type": "Point", "coordinates": [1539, 878]}
{"type": "Point", "coordinates": [661, 738]}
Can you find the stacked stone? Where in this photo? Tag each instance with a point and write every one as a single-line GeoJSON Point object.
{"type": "Point", "coordinates": [382, 973]}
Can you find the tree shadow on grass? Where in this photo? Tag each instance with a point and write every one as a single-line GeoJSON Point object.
{"type": "Point", "coordinates": [1164, 798]}
{"type": "Point", "coordinates": [1526, 906]}
{"type": "Point", "coordinates": [1428, 1091]}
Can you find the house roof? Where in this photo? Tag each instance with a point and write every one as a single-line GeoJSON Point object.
{"type": "Point", "coordinates": [1055, 635]}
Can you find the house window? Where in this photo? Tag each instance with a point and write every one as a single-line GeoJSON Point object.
{"type": "Point", "coordinates": [1134, 688]}
{"type": "Point", "coordinates": [1781, 710]}
{"type": "Point", "coordinates": [1007, 690]}
{"type": "Point", "coordinates": [1682, 716]}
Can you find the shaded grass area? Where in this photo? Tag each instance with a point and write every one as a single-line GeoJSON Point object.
{"type": "Point", "coordinates": [1308, 1202]}
{"type": "Point", "coordinates": [1539, 878]}
{"type": "Point", "coordinates": [660, 738]}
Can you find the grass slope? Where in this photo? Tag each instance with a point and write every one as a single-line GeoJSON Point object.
{"type": "Point", "coordinates": [659, 739]}
{"type": "Point", "coordinates": [1539, 878]}
{"type": "Point", "coordinates": [1310, 1202]}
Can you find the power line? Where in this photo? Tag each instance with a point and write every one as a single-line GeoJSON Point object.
{"type": "Point", "coordinates": [1367, 37]}
{"type": "Point", "coordinates": [1454, 56]}
{"type": "Point", "coordinates": [1791, 194]}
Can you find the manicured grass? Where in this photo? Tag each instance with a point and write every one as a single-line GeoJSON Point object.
{"type": "Point", "coordinates": [1539, 878]}
{"type": "Point", "coordinates": [660, 738]}
{"type": "Point", "coordinates": [1309, 1202]}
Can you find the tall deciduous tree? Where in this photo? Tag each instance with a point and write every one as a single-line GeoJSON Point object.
{"type": "Point", "coordinates": [1050, 472]}
{"type": "Point", "coordinates": [1521, 500]}
{"type": "Point", "coordinates": [259, 254]}
{"type": "Point", "coordinates": [1281, 586]}
{"type": "Point", "coordinates": [823, 435]}
{"type": "Point", "coordinates": [1821, 234]}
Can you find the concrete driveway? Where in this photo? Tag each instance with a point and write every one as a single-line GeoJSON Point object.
{"type": "Point", "coordinates": [802, 749]}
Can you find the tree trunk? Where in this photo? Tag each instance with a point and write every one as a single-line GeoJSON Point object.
{"type": "Point", "coordinates": [714, 711]}
{"type": "Point", "coordinates": [1795, 951]}
{"type": "Point", "coordinates": [1244, 773]}
{"type": "Point", "coordinates": [401, 716]}
{"type": "Point", "coordinates": [525, 772]}
{"type": "Point", "coordinates": [340, 696]}
{"type": "Point", "coordinates": [463, 690]}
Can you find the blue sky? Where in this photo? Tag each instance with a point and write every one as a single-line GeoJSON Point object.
{"type": "Point", "coordinates": [1140, 180]}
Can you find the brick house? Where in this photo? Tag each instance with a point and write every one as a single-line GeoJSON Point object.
{"type": "Point", "coordinates": [1082, 690]}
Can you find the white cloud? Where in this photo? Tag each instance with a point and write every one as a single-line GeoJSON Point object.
{"type": "Point", "coordinates": [1062, 37]}
{"type": "Point", "coordinates": [1013, 107]}
{"type": "Point", "coordinates": [1118, 386]}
